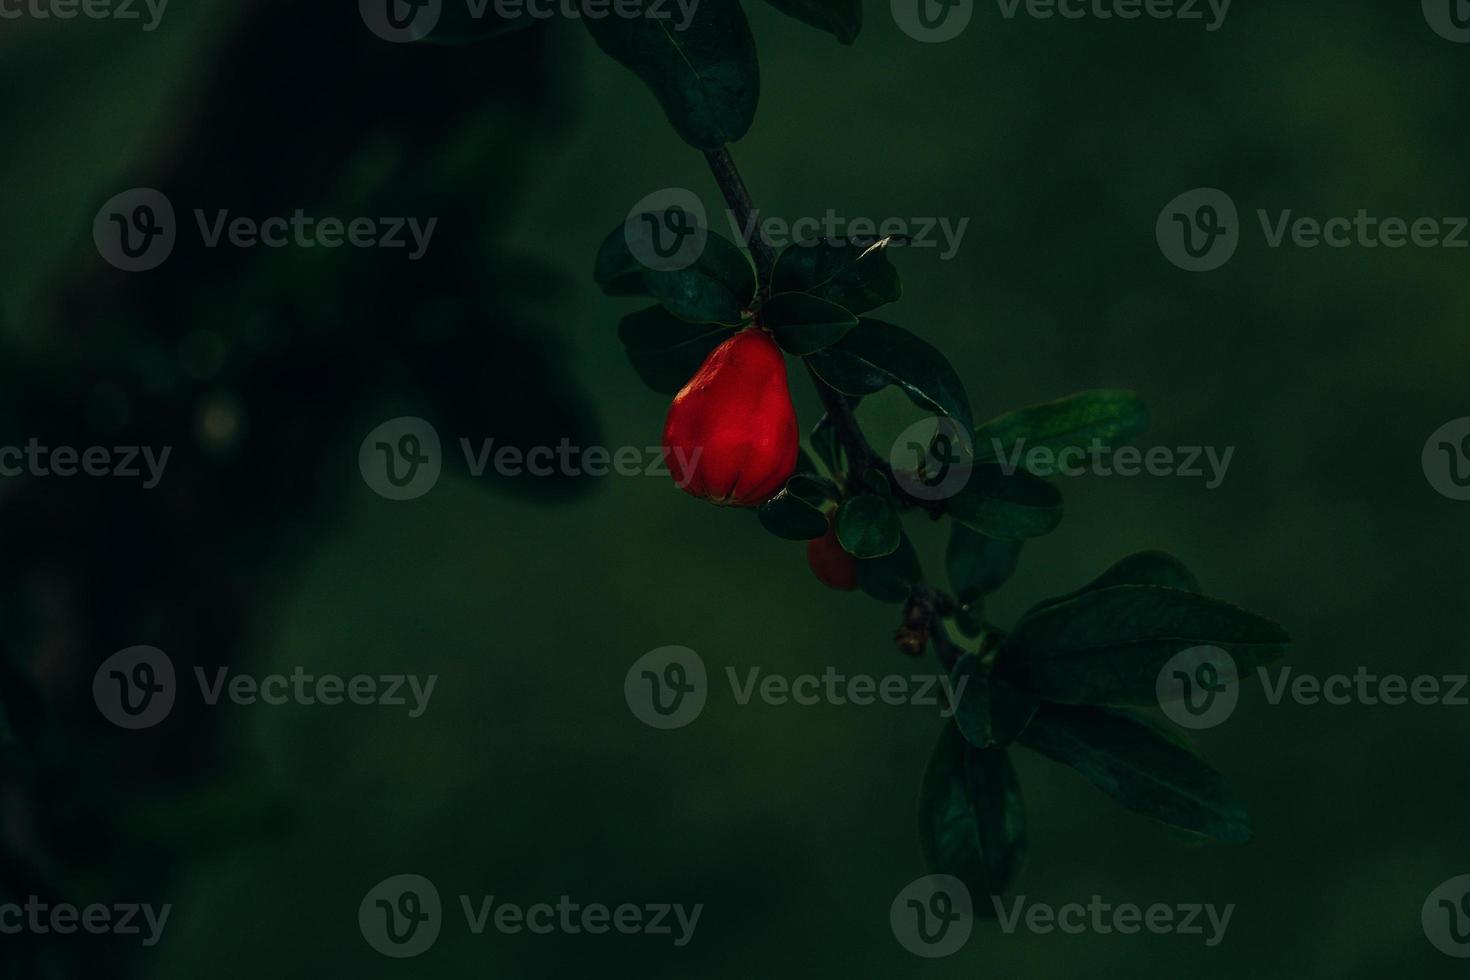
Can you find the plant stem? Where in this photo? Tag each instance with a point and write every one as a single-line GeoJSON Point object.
{"type": "Point", "coordinates": [928, 605]}
{"type": "Point", "coordinates": [747, 215]}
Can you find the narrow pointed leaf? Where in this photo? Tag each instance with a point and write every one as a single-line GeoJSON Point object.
{"type": "Point", "coordinates": [1144, 568]}
{"type": "Point", "coordinates": [856, 276]}
{"type": "Point", "coordinates": [1108, 646]}
{"type": "Point", "coordinates": [1107, 417]}
{"type": "Point", "coordinates": [705, 76]}
{"type": "Point", "coordinates": [667, 351]}
{"type": "Point", "coordinates": [875, 354]}
{"type": "Point", "coordinates": [978, 562]}
{"type": "Point", "coordinates": [1130, 761]}
{"type": "Point", "coordinates": [804, 324]}
{"type": "Point", "coordinates": [1007, 507]}
{"type": "Point", "coordinates": [972, 820]}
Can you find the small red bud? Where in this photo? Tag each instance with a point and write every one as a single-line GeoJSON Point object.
{"type": "Point", "coordinates": [830, 561]}
{"type": "Point", "coordinates": [731, 435]}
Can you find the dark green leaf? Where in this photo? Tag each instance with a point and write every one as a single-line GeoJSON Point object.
{"type": "Point", "coordinates": [972, 820]}
{"type": "Point", "coordinates": [857, 277]}
{"type": "Point", "coordinates": [705, 76]}
{"type": "Point", "coordinates": [990, 712]}
{"type": "Point", "coordinates": [1075, 422]}
{"type": "Point", "coordinates": [875, 354]}
{"type": "Point", "coordinates": [1131, 762]}
{"type": "Point", "coordinates": [978, 562]}
{"type": "Point", "coordinates": [796, 512]}
{"type": "Point", "coordinates": [1144, 568]}
{"type": "Point", "coordinates": [716, 288]}
{"type": "Point", "coordinates": [814, 489]}
{"type": "Point", "coordinates": [666, 351]}
{"type": "Point", "coordinates": [1007, 507]}
{"type": "Point", "coordinates": [840, 18]}
{"type": "Point", "coordinates": [804, 324]}
{"type": "Point", "coordinates": [1108, 646]}
{"type": "Point", "coordinates": [892, 577]}
{"type": "Point", "coordinates": [867, 526]}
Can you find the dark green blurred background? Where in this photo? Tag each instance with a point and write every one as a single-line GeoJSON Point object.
{"type": "Point", "coordinates": [528, 777]}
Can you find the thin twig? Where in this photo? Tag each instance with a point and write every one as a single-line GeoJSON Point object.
{"type": "Point", "coordinates": [924, 613]}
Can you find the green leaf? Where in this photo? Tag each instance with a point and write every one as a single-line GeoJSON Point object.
{"type": "Point", "coordinates": [977, 562]}
{"type": "Point", "coordinates": [840, 18]}
{"type": "Point", "coordinates": [1131, 762]}
{"type": "Point", "coordinates": [814, 489]}
{"type": "Point", "coordinates": [1007, 507]}
{"type": "Point", "coordinates": [989, 712]}
{"type": "Point", "coordinates": [716, 288]}
{"type": "Point", "coordinates": [1144, 568]}
{"type": "Point", "coordinates": [804, 324]}
{"type": "Point", "coordinates": [705, 76]}
{"type": "Point", "coordinates": [875, 354]}
{"type": "Point", "coordinates": [1109, 417]}
{"type": "Point", "coordinates": [667, 351]}
{"type": "Point", "coordinates": [972, 820]}
{"type": "Point", "coordinates": [1108, 646]}
{"type": "Point", "coordinates": [857, 277]}
{"type": "Point", "coordinates": [867, 526]}
{"type": "Point", "coordinates": [796, 512]}
{"type": "Point", "coordinates": [892, 577]}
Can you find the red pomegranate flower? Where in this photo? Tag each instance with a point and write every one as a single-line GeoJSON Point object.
{"type": "Point", "coordinates": [731, 435]}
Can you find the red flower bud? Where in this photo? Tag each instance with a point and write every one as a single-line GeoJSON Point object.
{"type": "Point", "coordinates": [830, 561]}
{"type": "Point", "coordinates": [731, 434]}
